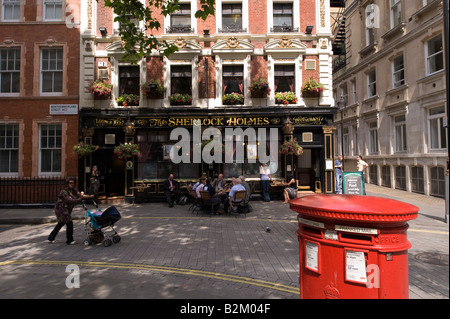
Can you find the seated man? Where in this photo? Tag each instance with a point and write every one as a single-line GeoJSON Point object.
{"type": "Point", "coordinates": [170, 189]}
{"type": "Point", "coordinates": [200, 186]}
{"type": "Point", "coordinates": [214, 200]}
{"type": "Point", "coordinates": [237, 187]}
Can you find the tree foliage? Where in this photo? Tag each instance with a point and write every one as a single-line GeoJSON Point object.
{"type": "Point", "coordinates": [139, 41]}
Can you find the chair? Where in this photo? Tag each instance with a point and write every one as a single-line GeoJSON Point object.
{"type": "Point", "coordinates": [206, 204]}
{"type": "Point", "coordinates": [240, 203]}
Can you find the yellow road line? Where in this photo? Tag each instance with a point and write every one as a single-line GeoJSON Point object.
{"type": "Point", "coordinates": [173, 270]}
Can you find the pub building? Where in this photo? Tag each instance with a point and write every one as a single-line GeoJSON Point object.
{"type": "Point", "coordinates": [215, 60]}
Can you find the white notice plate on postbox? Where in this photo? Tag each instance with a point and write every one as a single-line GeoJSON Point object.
{"type": "Point", "coordinates": [312, 256]}
{"type": "Point", "coordinates": [355, 266]}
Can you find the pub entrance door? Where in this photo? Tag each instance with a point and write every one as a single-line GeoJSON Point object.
{"type": "Point", "coordinates": [113, 170]}
{"type": "Point", "coordinates": [307, 169]}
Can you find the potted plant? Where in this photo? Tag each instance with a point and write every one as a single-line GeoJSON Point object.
{"type": "Point", "coordinates": [291, 147]}
{"type": "Point", "coordinates": [153, 89]}
{"type": "Point", "coordinates": [180, 99]}
{"type": "Point", "coordinates": [100, 89]}
{"type": "Point", "coordinates": [232, 99]}
{"type": "Point", "coordinates": [311, 88]}
{"type": "Point", "coordinates": [84, 149]}
{"type": "Point", "coordinates": [128, 100]}
{"type": "Point", "coordinates": [259, 88]}
{"type": "Point", "coordinates": [285, 98]}
{"type": "Point", "coordinates": [127, 150]}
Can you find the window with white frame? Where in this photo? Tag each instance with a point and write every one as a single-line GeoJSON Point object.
{"type": "Point", "coordinates": [355, 147]}
{"type": "Point", "coordinates": [398, 71]}
{"type": "Point", "coordinates": [10, 10]}
{"type": "Point", "coordinates": [9, 70]}
{"type": "Point", "coordinates": [346, 141]}
{"type": "Point", "coordinates": [344, 94]}
{"type": "Point", "coordinates": [180, 20]}
{"type": "Point", "coordinates": [396, 12]}
{"type": "Point", "coordinates": [354, 91]}
{"type": "Point", "coordinates": [9, 148]}
{"type": "Point", "coordinates": [370, 16]}
{"type": "Point", "coordinates": [50, 142]}
{"type": "Point", "coordinates": [371, 83]}
{"type": "Point", "coordinates": [53, 10]}
{"type": "Point", "coordinates": [233, 79]}
{"type": "Point", "coordinates": [437, 136]}
{"type": "Point", "coordinates": [181, 79]}
{"type": "Point", "coordinates": [434, 55]}
{"type": "Point", "coordinates": [400, 133]}
{"type": "Point", "coordinates": [232, 17]}
{"type": "Point", "coordinates": [51, 70]}
{"type": "Point", "coordinates": [283, 20]}
{"type": "Point", "coordinates": [373, 137]}
{"type": "Point", "coordinates": [284, 78]}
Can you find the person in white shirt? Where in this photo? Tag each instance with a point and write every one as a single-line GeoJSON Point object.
{"type": "Point", "coordinates": [200, 186]}
{"type": "Point", "coordinates": [264, 171]}
{"type": "Point", "coordinates": [361, 166]}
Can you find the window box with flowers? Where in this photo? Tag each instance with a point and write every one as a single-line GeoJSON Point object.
{"type": "Point", "coordinates": [232, 99]}
{"type": "Point", "coordinates": [180, 99]}
{"type": "Point", "coordinates": [291, 147]}
{"type": "Point", "coordinates": [100, 89]}
{"type": "Point", "coordinates": [153, 89]}
{"type": "Point", "coordinates": [128, 100]}
{"type": "Point", "coordinates": [285, 98]}
{"type": "Point", "coordinates": [84, 149]}
{"type": "Point", "coordinates": [259, 89]}
{"type": "Point", "coordinates": [127, 150]}
{"type": "Point", "coordinates": [311, 88]}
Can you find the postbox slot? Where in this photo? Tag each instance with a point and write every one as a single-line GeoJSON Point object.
{"type": "Point", "coordinates": [312, 231]}
{"type": "Point", "coordinates": [355, 238]}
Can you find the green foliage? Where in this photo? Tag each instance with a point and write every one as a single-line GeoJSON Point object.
{"type": "Point", "coordinates": [137, 42]}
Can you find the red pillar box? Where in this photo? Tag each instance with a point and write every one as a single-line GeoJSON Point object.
{"type": "Point", "coordinates": [353, 247]}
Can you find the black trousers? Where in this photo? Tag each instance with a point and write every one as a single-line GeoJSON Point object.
{"type": "Point", "coordinates": [69, 231]}
{"type": "Point", "coordinates": [169, 194]}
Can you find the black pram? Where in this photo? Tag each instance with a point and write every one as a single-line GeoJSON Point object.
{"type": "Point", "coordinates": [95, 222]}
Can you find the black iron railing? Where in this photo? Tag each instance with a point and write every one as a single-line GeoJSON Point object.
{"type": "Point", "coordinates": [30, 190]}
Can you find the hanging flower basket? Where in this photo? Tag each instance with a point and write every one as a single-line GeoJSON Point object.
{"type": "Point", "coordinates": [232, 99]}
{"type": "Point", "coordinates": [180, 99]}
{"type": "Point", "coordinates": [311, 88]}
{"type": "Point", "coordinates": [127, 150]}
{"type": "Point", "coordinates": [259, 89]}
{"type": "Point", "coordinates": [285, 98]}
{"type": "Point", "coordinates": [83, 149]}
{"type": "Point", "coordinates": [100, 89]}
{"type": "Point", "coordinates": [153, 89]}
{"type": "Point", "coordinates": [291, 147]}
{"type": "Point", "coordinates": [128, 100]}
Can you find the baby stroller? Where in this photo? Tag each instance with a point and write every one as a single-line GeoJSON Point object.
{"type": "Point", "coordinates": [96, 221]}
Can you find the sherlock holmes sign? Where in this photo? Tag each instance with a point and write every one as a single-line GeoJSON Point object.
{"type": "Point", "coordinates": [205, 121]}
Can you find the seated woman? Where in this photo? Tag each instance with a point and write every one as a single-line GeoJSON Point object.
{"type": "Point", "coordinates": [290, 192]}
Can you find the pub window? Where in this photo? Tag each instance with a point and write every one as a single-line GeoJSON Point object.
{"type": "Point", "coordinates": [181, 79]}
{"type": "Point", "coordinates": [180, 20]}
{"type": "Point", "coordinates": [232, 18]}
{"type": "Point", "coordinates": [284, 78]}
{"type": "Point", "coordinates": [9, 148]}
{"type": "Point", "coordinates": [250, 166]}
{"type": "Point", "coordinates": [153, 162]}
{"type": "Point", "coordinates": [10, 70]}
{"type": "Point", "coordinates": [129, 80]}
{"type": "Point", "coordinates": [233, 78]}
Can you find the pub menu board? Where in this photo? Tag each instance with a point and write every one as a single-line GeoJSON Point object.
{"type": "Point", "coordinates": [353, 183]}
